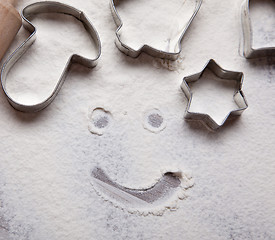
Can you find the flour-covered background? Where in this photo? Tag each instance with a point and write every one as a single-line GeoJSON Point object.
{"type": "Point", "coordinates": [47, 158]}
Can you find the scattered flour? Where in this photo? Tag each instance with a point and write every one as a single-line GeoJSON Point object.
{"type": "Point", "coordinates": [46, 158]}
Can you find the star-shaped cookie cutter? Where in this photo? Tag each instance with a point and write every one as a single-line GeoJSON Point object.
{"type": "Point", "coordinates": [238, 96]}
{"type": "Point", "coordinates": [249, 51]}
{"type": "Point", "coordinates": [48, 7]}
{"type": "Point", "coordinates": [146, 48]}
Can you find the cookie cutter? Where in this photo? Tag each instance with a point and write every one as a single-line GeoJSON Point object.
{"type": "Point", "coordinates": [48, 7]}
{"type": "Point", "coordinates": [249, 51]}
{"type": "Point", "coordinates": [126, 49]}
{"type": "Point", "coordinates": [238, 96]}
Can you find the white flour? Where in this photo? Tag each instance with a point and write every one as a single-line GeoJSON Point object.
{"type": "Point", "coordinates": [46, 158]}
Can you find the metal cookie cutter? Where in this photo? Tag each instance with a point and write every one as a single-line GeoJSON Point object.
{"type": "Point", "coordinates": [249, 51]}
{"type": "Point", "coordinates": [238, 97]}
{"type": "Point", "coordinates": [48, 7]}
{"type": "Point", "coordinates": [146, 48]}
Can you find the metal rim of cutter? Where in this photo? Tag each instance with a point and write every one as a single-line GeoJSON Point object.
{"type": "Point", "coordinates": [48, 7]}
{"type": "Point", "coordinates": [146, 48]}
{"type": "Point", "coordinates": [238, 96]}
{"type": "Point", "coordinates": [249, 51]}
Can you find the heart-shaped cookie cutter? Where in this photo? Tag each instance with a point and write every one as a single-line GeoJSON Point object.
{"type": "Point", "coordinates": [146, 48]}
{"type": "Point", "coordinates": [249, 51]}
{"type": "Point", "coordinates": [48, 7]}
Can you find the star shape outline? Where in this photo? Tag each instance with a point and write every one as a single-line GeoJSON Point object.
{"type": "Point", "coordinates": [238, 96]}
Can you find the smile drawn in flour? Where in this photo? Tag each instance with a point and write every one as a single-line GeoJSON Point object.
{"type": "Point", "coordinates": [154, 199]}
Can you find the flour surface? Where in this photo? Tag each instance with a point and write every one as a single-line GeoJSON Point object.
{"type": "Point", "coordinates": [46, 161]}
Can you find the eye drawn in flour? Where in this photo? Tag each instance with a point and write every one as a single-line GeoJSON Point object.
{"type": "Point", "coordinates": [100, 121]}
{"type": "Point", "coordinates": [154, 199]}
{"type": "Point", "coordinates": [154, 121]}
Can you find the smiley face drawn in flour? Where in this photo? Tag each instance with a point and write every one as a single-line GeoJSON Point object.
{"type": "Point", "coordinates": [154, 198]}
